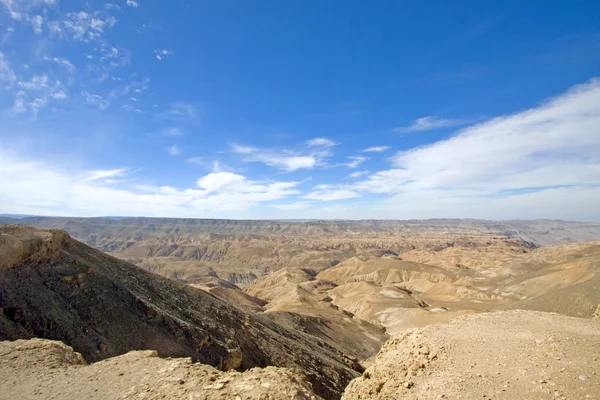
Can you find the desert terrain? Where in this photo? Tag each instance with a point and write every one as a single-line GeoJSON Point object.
{"type": "Point", "coordinates": [313, 301]}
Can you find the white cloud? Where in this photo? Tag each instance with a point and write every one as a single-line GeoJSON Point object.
{"type": "Point", "coordinates": [429, 123]}
{"type": "Point", "coordinates": [82, 26]}
{"type": "Point", "coordinates": [104, 174]}
{"type": "Point", "coordinates": [162, 54]}
{"type": "Point", "coordinates": [95, 100]}
{"type": "Point", "coordinates": [358, 174]}
{"type": "Point", "coordinates": [41, 90]}
{"type": "Point", "coordinates": [174, 150]}
{"type": "Point", "coordinates": [376, 149]}
{"type": "Point", "coordinates": [19, 104]}
{"type": "Point", "coordinates": [506, 161]}
{"type": "Point", "coordinates": [281, 159]}
{"type": "Point", "coordinates": [324, 142]}
{"type": "Point", "coordinates": [330, 193]}
{"type": "Point", "coordinates": [356, 161]}
{"type": "Point", "coordinates": [133, 3]}
{"type": "Point", "coordinates": [112, 6]}
{"type": "Point", "coordinates": [63, 62]}
{"type": "Point", "coordinates": [36, 24]}
{"type": "Point", "coordinates": [60, 95]}
{"type": "Point", "coordinates": [94, 193]}
{"type": "Point", "coordinates": [6, 73]}
{"type": "Point", "coordinates": [37, 83]}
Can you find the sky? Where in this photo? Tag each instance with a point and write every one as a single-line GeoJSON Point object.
{"type": "Point", "coordinates": [301, 109]}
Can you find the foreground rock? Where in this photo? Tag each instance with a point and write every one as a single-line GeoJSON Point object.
{"type": "Point", "coordinates": [508, 355]}
{"type": "Point", "coordinates": [41, 369]}
{"type": "Point", "coordinates": [54, 287]}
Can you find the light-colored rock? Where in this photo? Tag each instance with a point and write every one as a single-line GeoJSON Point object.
{"type": "Point", "coordinates": [479, 355]}
{"type": "Point", "coordinates": [31, 369]}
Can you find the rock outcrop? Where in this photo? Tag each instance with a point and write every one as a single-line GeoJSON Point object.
{"type": "Point", "coordinates": [37, 369]}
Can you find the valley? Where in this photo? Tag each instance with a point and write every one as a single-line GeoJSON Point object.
{"type": "Point", "coordinates": [319, 299]}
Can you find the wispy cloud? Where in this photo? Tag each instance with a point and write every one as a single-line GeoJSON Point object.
{"type": "Point", "coordinates": [133, 3]}
{"type": "Point", "coordinates": [376, 149]}
{"type": "Point", "coordinates": [63, 62]}
{"type": "Point", "coordinates": [174, 150]}
{"type": "Point", "coordinates": [112, 6]}
{"type": "Point", "coordinates": [285, 160]}
{"type": "Point", "coordinates": [358, 174]}
{"type": "Point", "coordinates": [95, 175]}
{"type": "Point", "coordinates": [36, 24]}
{"type": "Point", "coordinates": [321, 142]}
{"type": "Point", "coordinates": [429, 123]}
{"type": "Point", "coordinates": [314, 153]}
{"type": "Point", "coordinates": [161, 54]}
{"type": "Point", "coordinates": [82, 26]}
{"type": "Point", "coordinates": [503, 162]}
{"type": "Point", "coordinates": [356, 161]}
{"type": "Point", "coordinates": [330, 193]}
{"type": "Point", "coordinates": [7, 75]}
{"type": "Point", "coordinates": [95, 100]}
{"type": "Point", "coordinates": [34, 94]}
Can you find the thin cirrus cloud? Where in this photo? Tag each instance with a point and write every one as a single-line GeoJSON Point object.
{"type": "Point", "coordinates": [358, 174]}
{"type": "Point", "coordinates": [376, 149]}
{"type": "Point", "coordinates": [174, 150]}
{"type": "Point", "coordinates": [324, 142]}
{"type": "Point", "coordinates": [330, 193]}
{"type": "Point", "coordinates": [62, 62]}
{"type": "Point", "coordinates": [429, 123]}
{"type": "Point", "coordinates": [355, 161]}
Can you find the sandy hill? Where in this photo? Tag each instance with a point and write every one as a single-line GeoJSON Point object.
{"type": "Point", "coordinates": [56, 288]}
{"type": "Point", "coordinates": [296, 299]}
{"type": "Point", "coordinates": [505, 355]}
{"type": "Point", "coordinates": [421, 287]}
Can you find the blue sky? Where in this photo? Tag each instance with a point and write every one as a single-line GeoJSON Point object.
{"type": "Point", "coordinates": [300, 109]}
